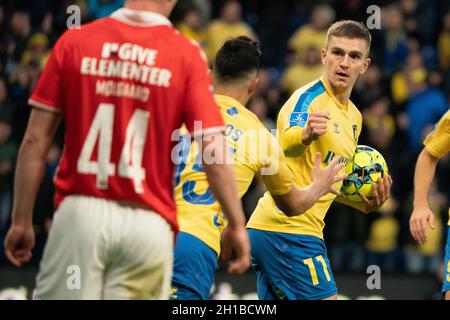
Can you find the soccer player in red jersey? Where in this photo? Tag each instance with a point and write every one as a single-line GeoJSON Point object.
{"type": "Point", "coordinates": [121, 85]}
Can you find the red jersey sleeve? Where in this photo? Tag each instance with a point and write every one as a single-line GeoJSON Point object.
{"type": "Point", "coordinates": [48, 93]}
{"type": "Point", "coordinates": [199, 100]}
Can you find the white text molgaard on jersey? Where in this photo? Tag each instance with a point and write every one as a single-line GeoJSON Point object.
{"type": "Point", "coordinates": [127, 61]}
{"type": "Point", "coordinates": [110, 88]}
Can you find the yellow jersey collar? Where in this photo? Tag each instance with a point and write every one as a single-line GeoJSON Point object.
{"type": "Point", "coordinates": [228, 99]}
{"type": "Point", "coordinates": [233, 102]}
{"type": "Point", "coordinates": [330, 93]}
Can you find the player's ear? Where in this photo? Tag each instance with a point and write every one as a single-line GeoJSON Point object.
{"type": "Point", "coordinates": [253, 85]}
{"type": "Point", "coordinates": [323, 55]}
{"type": "Point", "coordinates": [365, 66]}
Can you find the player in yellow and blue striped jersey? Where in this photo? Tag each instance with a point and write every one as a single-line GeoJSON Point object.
{"type": "Point", "coordinates": [255, 151]}
{"type": "Point", "coordinates": [288, 253]}
{"type": "Point", "coordinates": [437, 145]}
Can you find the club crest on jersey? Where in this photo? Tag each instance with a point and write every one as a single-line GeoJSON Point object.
{"type": "Point", "coordinates": [218, 220]}
{"type": "Point", "coordinates": [298, 119]}
{"type": "Point", "coordinates": [355, 128]}
{"type": "Point", "coordinates": [336, 127]}
{"type": "Point", "coordinates": [232, 111]}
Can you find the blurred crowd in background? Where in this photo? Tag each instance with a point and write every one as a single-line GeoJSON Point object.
{"type": "Point", "coordinates": [403, 93]}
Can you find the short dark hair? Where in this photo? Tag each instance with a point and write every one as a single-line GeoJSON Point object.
{"type": "Point", "coordinates": [236, 59]}
{"type": "Point", "coordinates": [349, 29]}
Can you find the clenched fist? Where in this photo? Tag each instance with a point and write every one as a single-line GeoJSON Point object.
{"type": "Point", "coordinates": [316, 126]}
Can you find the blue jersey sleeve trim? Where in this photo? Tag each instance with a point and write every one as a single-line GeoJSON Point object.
{"type": "Point", "coordinates": [299, 116]}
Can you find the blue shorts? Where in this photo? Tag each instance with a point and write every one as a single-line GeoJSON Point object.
{"type": "Point", "coordinates": [194, 268]}
{"type": "Point", "coordinates": [291, 266]}
{"type": "Point", "coordinates": [446, 283]}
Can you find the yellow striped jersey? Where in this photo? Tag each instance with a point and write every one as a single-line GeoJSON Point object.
{"type": "Point", "coordinates": [340, 139]}
{"type": "Point", "coordinates": [437, 142]}
{"type": "Point", "coordinates": [255, 151]}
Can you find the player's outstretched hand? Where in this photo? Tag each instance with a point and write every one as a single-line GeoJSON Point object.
{"type": "Point", "coordinates": [315, 127]}
{"type": "Point", "coordinates": [381, 191]}
{"type": "Point", "coordinates": [323, 179]}
{"type": "Point", "coordinates": [420, 218]}
{"type": "Point", "coordinates": [235, 240]}
{"type": "Point", "coordinates": [19, 242]}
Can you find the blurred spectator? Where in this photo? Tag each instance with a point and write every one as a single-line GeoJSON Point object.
{"type": "Point", "coordinates": [258, 105]}
{"type": "Point", "coordinates": [23, 82]}
{"type": "Point", "coordinates": [395, 37]}
{"type": "Point", "coordinates": [37, 50]}
{"type": "Point", "coordinates": [380, 124]}
{"type": "Point", "coordinates": [33, 71]}
{"type": "Point", "coordinates": [402, 81]}
{"type": "Point", "coordinates": [18, 85]}
{"type": "Point", "coordinates": [425, 107]}
{"type": "Point", "coordinates": [409, 9]}
{"type": "Point", "coordinates": [190, 26]}
{"type": "Point", "coordinates": [204, 7]}
{"type": "Point", "coordinates": [47, 24]}
{"type": "Point", "coordinates": [444, 43]}
{"type": "Point", "coordinates": [314, 33]}
{"type": "Point", "coordinates": [382, 243]}
{"type": "Point", "coordinates": [16, 39]}
{"type": "Point", "coordinates": [102, 8]}
{"type": "Point", "coordinates": [369, 87]}
{"type": "Point", "coordinates": [229, 25]}
{"type": "Point", "coordinates": [48, 29]}
{"type": "Point", "coordinates": [302, 71]}
{"type": "Point", "coordinates": [419, 13]}
{"type": "Point", "coordinates": [264, 83]}
{"type": "Point", "coordinates": [269, 89]}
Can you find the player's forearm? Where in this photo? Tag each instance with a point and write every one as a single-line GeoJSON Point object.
{"type": "Point", "coordinates": [223, 185]}
{"type": "Point", "coordinates": [297, 201]}
{"type": "Point", "coordinates": [307, 197]}
{"type": "Point", "coordinates": [29, 172]}
{"type": "Point", "coordinates": [41, 129]}
{"type": "Point", "coordinates": [423, 176]}
{"type": "Point", "coordinates": [291, 142]}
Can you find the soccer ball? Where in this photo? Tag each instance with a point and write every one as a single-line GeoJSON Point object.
{"type": "Point", "coordinates": [364, 169]}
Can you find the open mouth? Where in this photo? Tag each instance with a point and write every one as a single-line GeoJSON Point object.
{"type": "Point", "coordinates": [342, 74]}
